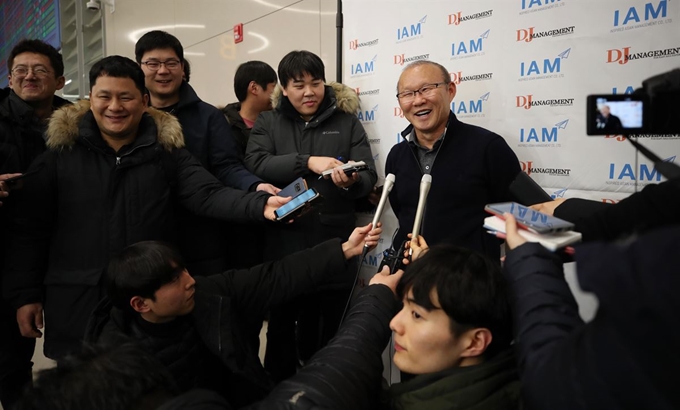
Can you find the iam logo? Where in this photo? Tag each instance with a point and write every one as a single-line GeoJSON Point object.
{"type": "Point", "coordinates": [558, 194]}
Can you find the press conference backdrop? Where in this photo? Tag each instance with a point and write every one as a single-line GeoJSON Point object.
{"type": "Point", "coordinates": [523, 69]}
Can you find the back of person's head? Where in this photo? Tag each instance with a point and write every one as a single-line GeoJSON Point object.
{"type": "Point", "coordinates": [118, 67]}
{"type": "Point", "coordinates": [187, 70]}
{"type": "Point", "coordinates": [38, 47]}
{"type": "Point", "coordinates": [140, 270]}
{"type": "Point", "coordinates": [296, 64]}
{"type": "Point", "coordinates": [470, 289]}
{"type": "Point", "coordinates": [258, 71]}
{"type": "Point", "coordinates": [157, 39]}
{"type": "Point", "coordinates": [119, 377]}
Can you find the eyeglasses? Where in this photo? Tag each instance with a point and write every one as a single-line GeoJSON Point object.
{"type": "Point", "coordinates": [22, 71]}
{"type": "Point", "coordinates": [155, 65]}
{"type": "Point", "coordinates": [426, 91]}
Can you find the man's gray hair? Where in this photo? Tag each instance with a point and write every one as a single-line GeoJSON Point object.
{"type": "Point", "coordinates": [445, 72]}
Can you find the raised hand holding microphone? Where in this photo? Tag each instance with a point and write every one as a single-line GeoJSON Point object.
{"type": "Point", "coordinates": [425, 183]}
{"type": "Point", "coordinates": [387, 188]}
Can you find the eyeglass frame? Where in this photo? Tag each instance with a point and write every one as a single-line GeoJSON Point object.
{"type": "Point", "coordinates": [412, 94]}
{"type": "Point", "coordinates": [161, 63]}
{"type": "Point", "coordinates": [38, 74]}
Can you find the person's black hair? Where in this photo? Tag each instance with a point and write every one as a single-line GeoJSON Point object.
{"type": "Point", "coordinates": [157, 39]}
{"type": "Point", "coordinates": [296, 64]}
{"type": "Point", "coordinates": [262, 73]}
{"type": "Point", "coordinates": [140, 270]}
{"type": "Point", "coordinates": [118, 377]}
{"type": "Point", "coordinates": [187, 70]}
{"type": "Point", "coordinates": [470, 287]}
{"type": "Point", "coordinates": [38, 47]}
{"type": "Point", "coordinates": [118, 67]}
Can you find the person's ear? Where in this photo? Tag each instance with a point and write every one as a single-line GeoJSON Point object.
{"type": "Point", "coordinates": [145, 99]}
{"type": "Point", "coordinates": [139, 304]}
{"type": "Point", "coordinates": [61, 81]}
{"type": "Point", "coordinates": [451, 90]}
{"type": "Point", "coordinates": [476, 341]}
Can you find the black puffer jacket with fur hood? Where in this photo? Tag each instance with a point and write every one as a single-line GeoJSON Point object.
{"type": "Point", "coordinates": [86, 202]}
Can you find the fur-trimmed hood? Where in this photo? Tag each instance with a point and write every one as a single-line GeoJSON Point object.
{"type": "Point", "coordinates": [346, 98]}
{"type": "Point", "coordinates": [63, 128]}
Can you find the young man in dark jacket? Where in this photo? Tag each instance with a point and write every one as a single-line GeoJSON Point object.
{"type": "Point", "coordinates": [470, 166]}
{"type": "Point", "coordinates": [36, 73]}
{"type": "Point", "coordinates": [453, 333]}
{"type": "Point", "coordinates": [204, 242]}
{"type": "Point", "coordinates": [254, 83]}
{"type": "Point", "coordinates": [312, 128]}
{"type": "Point", "coordinates": [196, 326]}
{"type": "Point", "coordinates": [113, 175]}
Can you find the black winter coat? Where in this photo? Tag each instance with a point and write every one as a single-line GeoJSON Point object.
{"type": "Point", "coordinates": [208, 136]}
{"type": "Point", "coordinates": [473, 167]}
{"type": "Point", "coordinates": [347, 373]}
{"type": "Point", "coordinates": [224, 302]}
{"type": "Point", "coordinates": [87, 202]}
{"type": "Point", "coordinates": [626, 357]}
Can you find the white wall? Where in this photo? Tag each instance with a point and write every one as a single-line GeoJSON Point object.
{"type": "Point", "coordinates": [205, 27]}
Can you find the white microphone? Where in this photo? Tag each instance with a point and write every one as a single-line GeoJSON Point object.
{"type": "Point", "coordinates": [425, 183]}
{"type": "Point", "coordinates": [387, 188]}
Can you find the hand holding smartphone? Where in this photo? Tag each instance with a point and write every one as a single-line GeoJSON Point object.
{"type": "Point", "coordinates": [530, 219]}
{"type": "Point", "coordinates": [296, 204]}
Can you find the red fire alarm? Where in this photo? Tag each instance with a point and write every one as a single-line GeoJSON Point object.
{"type": "Point", "coordinates": [238, 33]}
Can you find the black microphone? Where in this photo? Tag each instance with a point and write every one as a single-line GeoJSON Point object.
{"type": "Point", "coordinates": [425, 183]}
{"type": "Point", "coordinates": [387, 188]}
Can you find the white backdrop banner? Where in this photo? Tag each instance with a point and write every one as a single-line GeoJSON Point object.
{"type": "Point", "coordinates": [523, 69]}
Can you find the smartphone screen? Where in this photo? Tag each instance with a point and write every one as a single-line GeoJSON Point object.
{"type": "Point", "coordinates": [529, 218]}
{"type": "Point", "coordinates": [295, 203]}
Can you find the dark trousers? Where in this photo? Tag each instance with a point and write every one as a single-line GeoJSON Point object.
{"type": "Point", "coordinates": [67, 312]}
{"type": "Point", "coordinates": [16, 352]}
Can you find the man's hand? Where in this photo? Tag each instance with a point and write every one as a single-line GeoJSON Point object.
{"type": "Point", "coordinates": [319, 164]}
{"type": "Point", "coordinates": [342, 180]}
{"type": "Point", "coordinates": [268, 188]}
{"type": "Point", "coordinates": [4, 187]}
{"type": "Point", "coordinates": [273, 203]}
{"type": "Point", "coordinates": [361, 236]}
{"type": "Point", "coordinates": [384, 278]}
{"type": "Point", "coordinates": [512, 238]}
{"type": "Point", "coordinates": [548, 207]}
{"type": "Point", "coordinates": [30, 320]}
{"type": "Point", "coordinates": [418, 247]}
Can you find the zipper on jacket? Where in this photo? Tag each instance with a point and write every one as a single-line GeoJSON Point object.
{"type": "Point", "coordinates": [118, 159]}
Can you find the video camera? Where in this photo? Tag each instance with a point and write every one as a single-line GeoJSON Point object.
{"type": "Point", "coordinates": [652, 109]}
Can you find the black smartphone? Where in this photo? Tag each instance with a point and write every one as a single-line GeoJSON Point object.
{"type": "Point", "coordinates": [16, 179]}
{"type": "Point", "coordinates": [296, 188]}
{"type": "Point", "coordinates": [296, 203]}
{"type": "Point", "coordinates": [529, 219]}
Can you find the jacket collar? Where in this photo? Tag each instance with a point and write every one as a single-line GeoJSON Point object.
{"type": "Point", "coordinates": [187, 95]}
{"type": "Point", "coordinates": [337, 96]}
{"type": "Point", "coordinates": [64, 127]}
{"type": "Point", "coordinates": [231, 111]}
{"type": "Point", "coordinates": [17, 110]}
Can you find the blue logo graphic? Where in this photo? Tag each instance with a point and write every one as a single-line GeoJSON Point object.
{"type": "Point", "coordinates": [527, 4]}
{"type": "Point", "coordinates": [549, 66]}
{"type": "Point", "coordinates": [558, 194]}
{"type": "Point", "coordinates": [470, 107]}
{"type": "Point", "coordinates": [634, 15]}
{"type": "Point", "coordinates": [470, 47]}
{"type": "Point", "coordinates": [414, 30]}
{"type": "Point", "coordinates": [628, 90]}
{"type": "Point", "coordinates": [365, 68]}
{"type": "Point", "coordinates": [368, 115]}
{"type": "Point", "coordinates": [373, 260]}
{"type": "Point", "coordinates": [627, 172]}
{"type": "Point", "coordinates": [544, 134]}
